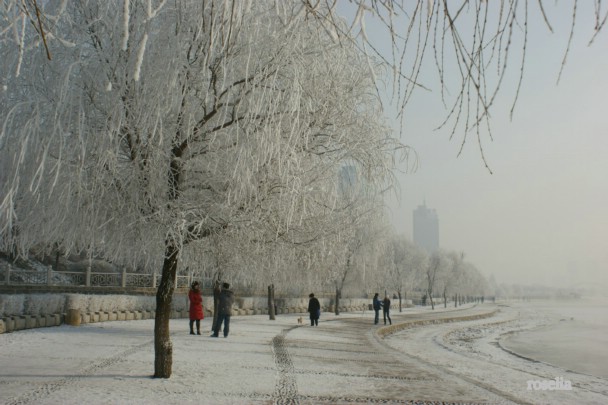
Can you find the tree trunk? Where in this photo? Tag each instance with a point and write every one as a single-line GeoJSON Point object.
{"type": "Point", "coordinates": [271, 314]}
{"type": "Point", "coordinates": [57, 256]}
{"type": "Point", "coordinates": [445, 300]}
{"type": "Point", "coordinates": [432, 302]}
{"type": "Point", "coordinates": [400, 302]}
{"type": "Point", "coordinates": [216, 302]}
{"type": "Point", "coordinates": [163, 348]}
{"type": "Point", "coordinates": [338, 295]}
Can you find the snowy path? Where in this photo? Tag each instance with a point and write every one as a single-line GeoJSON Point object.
{"type": "Point", "coordinates": [344, 361]}
{"type": "Point", "coordinates": [67, 382]}
{"type": "Point", "coordinates": [341, 361]}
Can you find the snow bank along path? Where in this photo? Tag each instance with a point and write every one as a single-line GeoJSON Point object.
{"type": "Point", "coordinates": [343, 360]}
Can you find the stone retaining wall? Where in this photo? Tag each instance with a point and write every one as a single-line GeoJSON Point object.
{"type": "Point", "coordinates": [26, 311]}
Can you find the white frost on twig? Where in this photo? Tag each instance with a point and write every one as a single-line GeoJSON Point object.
{"type": "Point", "coordinates": [140, 57]}
{"type": "Point", "coordinates": [125, 25]}
{"type": "Point", "coordinates": [21, 46]}
{"type": "Point", "coordinates": [152, 13]}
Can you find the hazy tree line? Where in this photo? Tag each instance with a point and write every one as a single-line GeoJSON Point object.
{"type": "Point", "coordinates": [212, 134]}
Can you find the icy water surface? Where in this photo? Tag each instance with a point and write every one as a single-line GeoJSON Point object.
{"type": "Point", "coordinates": [576, 341]}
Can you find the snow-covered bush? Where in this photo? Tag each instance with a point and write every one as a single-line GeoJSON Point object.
{"type": "Point", "coordinates": [11, 304]}
{"type": "Point", "coordinates": [75, 301]}
{"type": "Point", "coordinates": [43, 304]}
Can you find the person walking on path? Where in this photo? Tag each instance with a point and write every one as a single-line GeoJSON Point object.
{"type": "Point", "coordinates": [377, 304]}
{"type": "Point", "coordinates": [386, 307]}
{"type": "Point", "coordinates": [314, 309]}
{"type": "Point", "coordinates": [196, 307]}
{"type": "Point", "coordinates": [224, 311]}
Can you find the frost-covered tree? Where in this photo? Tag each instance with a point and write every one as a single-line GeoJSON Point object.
{"type": "Point", "coordinates": [493, 287]}
{"type": "Point", "coordinates": [347, 247]}
{"type": "Point", "coordinates": [435, 265]}
{"type": "Point", "coordinates": [359, 221]}
{"type": "Point", "coordinates": [472, 282]}
{"type": "Point", "coordinates": [447, 272]}
{"type": "Point", "coordinates": [473, 47]}
{"type": "Point", "coordinates": [451, 275]}
{"type": "Point", "coordinates": [482, 41]}
{"type": "Point", "coordinates": [160, 124]}
{"type": "Point", "coordinates": [404, 261]}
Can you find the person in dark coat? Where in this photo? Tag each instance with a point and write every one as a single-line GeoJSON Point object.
{"type": "Point", "coordinates": [376, 304]}
{"type": "Point", "coordinates": [386, 307]}
{"type": "Point", "coordinates": [224, 311]}
{"type": "Point", "coordinates": [314, 309]}
{"type": "Point", "coordinates": [196, 307]}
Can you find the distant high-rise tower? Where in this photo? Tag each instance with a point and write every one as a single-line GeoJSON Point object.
{"type": "Point", "coordinates": [426, 228]}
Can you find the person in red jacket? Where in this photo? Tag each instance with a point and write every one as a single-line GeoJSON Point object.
{"type": "Point", "coordinates": [196, 307]}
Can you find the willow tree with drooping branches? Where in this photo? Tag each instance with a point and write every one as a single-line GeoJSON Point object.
{"type": "Point", "coordinates": [159, 125]}
{"type": "Point", "coordinates": [403, 261]}
{"type": "Point", "coordinates": [471, 53]}
{"type": "Point", "coordinates": [471, 45]}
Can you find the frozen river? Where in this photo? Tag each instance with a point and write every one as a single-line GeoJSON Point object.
{"type": "Point", "coordinates": [477, 352]}
{"type": "Point", "coordinates": [574, 339]}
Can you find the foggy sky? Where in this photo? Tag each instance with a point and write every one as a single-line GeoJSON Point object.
{"type": "Point", "coordinates": [541, 216]}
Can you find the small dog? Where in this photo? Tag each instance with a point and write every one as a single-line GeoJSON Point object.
{"type": "Point", "coordinates": [300, 320]}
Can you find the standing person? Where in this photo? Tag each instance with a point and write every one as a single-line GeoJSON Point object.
{"type": "Point", "coordinates": [196, 307]}
{"type": "Point", "coordinates": [377, 304]}
{"type": "Point", "coordinates": [314, 308]}
{"type": "Point", "coordinates": [386, 307]}
{"type": "Point", "coordinates": [224, 311]}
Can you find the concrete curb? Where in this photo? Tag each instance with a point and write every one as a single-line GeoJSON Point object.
{"type": "Point", "coordinates": [388, 330]}
{"type": "Point", "coordinates": [22, 322]}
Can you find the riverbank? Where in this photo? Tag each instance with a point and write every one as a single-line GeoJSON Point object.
{"type": "Point", "coordinates": [344, 360]}
{"type": "Point", "coordinates": [475, 351]}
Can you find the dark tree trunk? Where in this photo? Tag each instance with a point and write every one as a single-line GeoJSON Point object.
{"type": "Point", "coordinates": [57, 256]}
{"type": "Point", "coordinates": [163, 348]}
{"type": "Point", "coordinates": [271, 313]}
{"type": "Point", "coordinates": [445, 300]}
{"type": "Point", "coordinates": [216, 302]}
{"type": "Point", "coordinates": [400, 302]}
{"type": "Point", "coordinates": [338, 296]}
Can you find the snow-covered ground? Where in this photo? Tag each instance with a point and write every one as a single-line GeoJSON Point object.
{"type": "Point", "coordinates": [341, 361]}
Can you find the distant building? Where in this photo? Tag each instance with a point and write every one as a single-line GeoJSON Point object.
{"type": "Point", "coordinates": [426, 228]}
